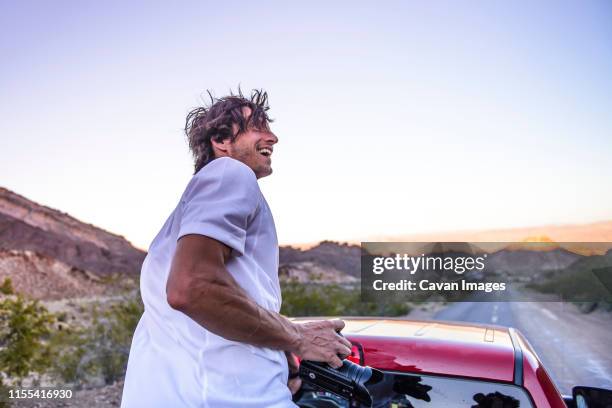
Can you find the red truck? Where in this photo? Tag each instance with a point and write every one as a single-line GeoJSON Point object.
{"type": "Point", "coordinates": [443, 364]}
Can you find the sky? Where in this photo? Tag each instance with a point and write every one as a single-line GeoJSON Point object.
{"type": "Point", "coordinates": [393, 118]}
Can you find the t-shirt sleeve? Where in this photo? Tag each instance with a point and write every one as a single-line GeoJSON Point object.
{"type": "Point", "coordinates": [219, 202]}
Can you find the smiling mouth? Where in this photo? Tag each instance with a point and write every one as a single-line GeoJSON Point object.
{"type": "Point", "coordinates": [265, 152]}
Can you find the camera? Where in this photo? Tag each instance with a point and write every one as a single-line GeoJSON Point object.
{"type": "Point", "coordinates": [351, 381]}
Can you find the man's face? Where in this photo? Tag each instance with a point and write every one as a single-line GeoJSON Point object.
{"type": "Point", "coordinates": [254, 148]}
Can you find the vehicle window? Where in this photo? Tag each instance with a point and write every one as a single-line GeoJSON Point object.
{"type": "Point", "coordinates": [401, 390]}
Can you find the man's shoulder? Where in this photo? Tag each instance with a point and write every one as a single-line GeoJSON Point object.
{"type": "Point", "coordinates": [225, 176]}
{"type": "Point", "coordinates": [229, 168]}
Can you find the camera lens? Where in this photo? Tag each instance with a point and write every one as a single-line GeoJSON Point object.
{"type": "Point", "coordinates": [350, 381]}
{"type": "Point", "coordinates": [363, 377]}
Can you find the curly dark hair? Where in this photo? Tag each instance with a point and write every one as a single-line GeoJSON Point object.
{"type": "Point", "coordinates": [214, 122]}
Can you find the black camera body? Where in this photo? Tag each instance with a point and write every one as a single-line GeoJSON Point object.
{"type": "Point", "coordinates": [351, 381]}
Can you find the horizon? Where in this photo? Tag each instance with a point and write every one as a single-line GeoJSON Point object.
{"type": "Point", "coordinates": [569, 233]}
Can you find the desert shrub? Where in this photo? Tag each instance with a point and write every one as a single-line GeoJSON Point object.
{"type": "Point", "coordinates": [69, 348]}
{"type": "Point", "coordinates": [587, 283]}
{"type": "Point", "coordinates": [301, 299]}
{"type": "Point", "coordinates": [99, 351]}
{"type": "Point", "coordinates": [7, 287]}
{"type": "Point", "coordinates": [24, 327]}
{"type": "Point", "coordinates": [581, 286]}
{"type": "Point", "coordinates": [111, 337]}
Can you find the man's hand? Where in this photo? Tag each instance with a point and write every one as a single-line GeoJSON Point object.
{"type": "Point", "coordinates": [320, 341]}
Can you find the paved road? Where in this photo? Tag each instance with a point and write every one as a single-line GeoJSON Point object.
{"type": "Point", "coordinates": [576, 349]}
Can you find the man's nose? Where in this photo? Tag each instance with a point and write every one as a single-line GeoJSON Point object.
{"type": "Point", "coordinates": [271, 138]}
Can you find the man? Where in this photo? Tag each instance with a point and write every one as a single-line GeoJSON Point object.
{"type": "Point", "coordinates": [211, 334]}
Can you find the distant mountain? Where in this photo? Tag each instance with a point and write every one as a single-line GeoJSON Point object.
{"type": "Point", "coordinates": [28, 226]}
{"type": "Point", "coordinates": [530, 264]}
{"type": "Point", "coordinates": [329, 260]}
{"type": "Point", "coordinates": [593, 232]}
{"type": "Point", "coordinates": [589, 279]}
{"type": "Point", "coordinates": [334, 257]}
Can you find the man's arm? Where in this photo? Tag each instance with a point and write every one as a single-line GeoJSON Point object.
{"type": "Point", "coordinates": [200, 286]}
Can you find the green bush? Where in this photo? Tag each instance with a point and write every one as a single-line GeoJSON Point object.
{"type": "Point", "coordinates": [94, 352]}
{"type": "Point", "coordinates": [301, 299]}
{"type": "Point", "coordinates": [7, 287]}
{"type": "Point", "coordinates": [587, 283]}
{"type": "Point", "coordinates": [98, 351]}
{"type": "Point", "coordinates": [111, 337]}
{"type": "Point", "coordinates": [24, 327]}
{"type": "Point", "coordinates": [69, 347]}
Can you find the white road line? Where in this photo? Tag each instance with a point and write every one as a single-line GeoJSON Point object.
{"type": "Point", "coordinates": [596, 368]}
{"type": "Point", "coordinates": [549, 313]}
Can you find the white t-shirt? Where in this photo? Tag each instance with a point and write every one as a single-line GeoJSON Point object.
{"type": "Point", "coordinates": [175, 362]}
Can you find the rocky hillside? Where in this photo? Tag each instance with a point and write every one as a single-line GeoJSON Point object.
{"type": "Point", "coordinates": [28, 226]}
{"type": "Point", "coordinates": [345, 258]}
{"type": "Point", "coordinates": [41, 277]}
{"type": "Point", "coordinates": [50, 255]}
{"type": "Point", "coordinates": [327, 262]}
{"type": "Point", "coordinates": [311, 272]}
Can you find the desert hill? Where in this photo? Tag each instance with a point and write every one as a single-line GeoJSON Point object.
{"type": "Point", "coordinates": [41, 277]}
{"type": "Point", "coordinates": [522, 264]}
{"type": "Point", "coordinates": [28, 226]}
{"type": "Point", "coordinates": [340, 257]}
{"type": "Point", "coordinates": [50, 255]}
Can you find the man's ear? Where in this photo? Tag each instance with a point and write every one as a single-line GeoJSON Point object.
{"type": "Point", "coordinates": [221, 146]}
